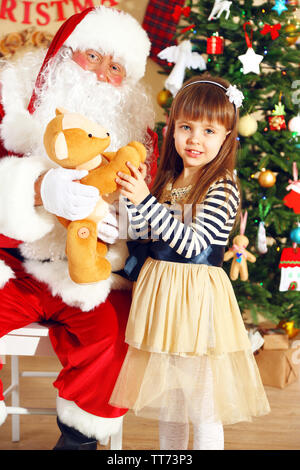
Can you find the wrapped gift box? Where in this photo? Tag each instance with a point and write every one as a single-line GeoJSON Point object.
{"type": "Point", "coordinates": [276, 123]}
{"type": "Point", "coordinates": [274, 338]}
{"type": "Point", "coordinates": [277, 367]}
{"type": "Point", "coordinates": [215, 45]}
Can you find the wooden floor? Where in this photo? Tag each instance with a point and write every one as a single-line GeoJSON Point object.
{"type": "Point", "coordinates": [280, 430]}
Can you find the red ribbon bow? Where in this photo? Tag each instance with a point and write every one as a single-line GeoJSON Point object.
{"type": "Point", "coordinates": [178, 11]}
{"type": "Point", "coordinates": [273, 29]}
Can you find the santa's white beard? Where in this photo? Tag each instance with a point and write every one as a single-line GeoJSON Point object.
{"type": "Point", "coordinates": [125, 111]}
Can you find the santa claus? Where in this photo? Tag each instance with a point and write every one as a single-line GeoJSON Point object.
{"type": "Point", "coordinates": [93, 66]}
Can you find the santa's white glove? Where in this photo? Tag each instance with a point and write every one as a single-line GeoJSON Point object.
{"type": "Point", "coordinates": [108, 228]}
{"type": "Point", "coordinates": [64, 197]}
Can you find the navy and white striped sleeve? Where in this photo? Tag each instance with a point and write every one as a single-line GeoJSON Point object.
{"type": "Point", "coordinates": [212, 223]}
{"type": "Point", "coordinates": [138, 228]}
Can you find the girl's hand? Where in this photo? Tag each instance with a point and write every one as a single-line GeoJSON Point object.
{"type": "Point", "coordinates": [133, 186]}
{"type": "Point", "coordinates": [143, 170]}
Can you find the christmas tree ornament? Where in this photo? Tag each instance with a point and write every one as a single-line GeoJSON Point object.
{"type": "Point", "coordinates": [294, 124]}
{"type": "Point", "coordinates": [291, 28]}
{"type": "Point", "coordinates": [247, 125]}
{"type": "Point", "coordinates": [215, 44]}
{"type": "Point", "coordinates": [261, 240]}
{"type": "Point", "coordinates": [267, 178]}
{"type": "Point", "coordinates": [183, 57]}
{"type": "Point", "coordinates": [292, 200]}
{"type": "Point", "coordinates": [273, 29]}
{"type": "Point", "coordinates": [290, 269]}
{"type": "Point", "coordinates": [289, 328]}
{"type": "Point", "coordinates": [250, 60]}
{"type": "Point", "coordinates": [163, 96]}
{"type": "Point", "coordinates": [277, 121]}
{"type": "Point", "coordinates": [239, 254]}
{"type": "Point", "coordinates": [218, 8]}
{"type": "Point", "coordinates": [295, 235]}
{"type": "Point", "coordinates": [280, 6]}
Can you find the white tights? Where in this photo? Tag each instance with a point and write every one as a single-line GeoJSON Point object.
{"type": "Point", "coordinates": [207, 435]}
{"type": "Point", "coordinates": [175, 436]}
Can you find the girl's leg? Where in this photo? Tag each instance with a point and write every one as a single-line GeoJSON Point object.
{"type": "Point", "coordinates": [208, 431]}
{"type": "Point", "coordinates": [208, 436]}
{"type": "Point", "coordinates": [173, 436]}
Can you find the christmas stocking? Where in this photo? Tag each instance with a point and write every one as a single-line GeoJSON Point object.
{"type": "Point", "coordinates": [160, 22]}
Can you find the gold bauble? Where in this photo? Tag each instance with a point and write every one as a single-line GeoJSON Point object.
{"type": "Point", "coordinates": [288, 326]}
{"type": "Point", "coordinates": [267, 179]}
{"type": "Point", "coordinates": [247, 125]}
{"type": "Point", "coordinates": [291, 28]}
{"type": "Point", "coordinates": [163, 97]}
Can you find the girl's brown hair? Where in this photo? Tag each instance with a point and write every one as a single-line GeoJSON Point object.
{"type": "Point", "coordinates": [207, 102]}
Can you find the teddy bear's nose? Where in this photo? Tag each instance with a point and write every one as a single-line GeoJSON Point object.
{"type": "Point", "coordinates": [90, 135]}
{"type": "Point", "coordinates": [107, 133]}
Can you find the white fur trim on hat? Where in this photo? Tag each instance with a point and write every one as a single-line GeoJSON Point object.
{"type": "Point", "coordinates": [113, 32]}
{"type": "Point", "coordinates": [89, 425]}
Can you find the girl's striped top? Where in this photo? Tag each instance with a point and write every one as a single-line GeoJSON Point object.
{"type": "Point", "coordinates": [211, 224]}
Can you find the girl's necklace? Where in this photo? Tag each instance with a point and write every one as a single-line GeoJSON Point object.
{"type": "Point", "coordinates": [175, 195]}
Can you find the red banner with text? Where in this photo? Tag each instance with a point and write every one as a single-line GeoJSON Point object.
{"type": "Point", "coordinates": [33, 23]}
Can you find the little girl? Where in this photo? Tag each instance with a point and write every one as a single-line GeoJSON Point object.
{"type": "Point", "coordinates": [189, 357]}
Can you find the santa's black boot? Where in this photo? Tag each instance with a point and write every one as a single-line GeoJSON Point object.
{"type": "Point", "coordinates": [71, 439]}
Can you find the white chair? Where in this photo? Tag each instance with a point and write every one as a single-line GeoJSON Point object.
{"type": "Point", "coordinates": [32, 340]}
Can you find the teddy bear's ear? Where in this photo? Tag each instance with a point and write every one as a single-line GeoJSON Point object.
{"type": "Point", "coordinates": [61, 148]}
{"type": "Point", "coordinates": [59, 111]}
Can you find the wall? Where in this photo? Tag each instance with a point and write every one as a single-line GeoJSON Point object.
{"type": "Point", "coordinates": [153, 79]}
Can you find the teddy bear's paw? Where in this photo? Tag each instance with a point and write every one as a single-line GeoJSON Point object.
{"type": "Point", "coordinates": [140, 148]}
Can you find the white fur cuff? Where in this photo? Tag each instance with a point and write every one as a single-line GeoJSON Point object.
{"type": "Point", "coordinates": [29, 131]}
{"type": "Point", "coordinates": [19, 219]}
{"type": "Point", "coordinates": [6, 273]}
{"type": "Point", "coordinates": [3, 412]}
{"type": "Point", "coordinates": [89, 425]}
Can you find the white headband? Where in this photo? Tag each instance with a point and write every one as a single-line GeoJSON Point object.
{"type": "Point", "coordinates": [235, 96]}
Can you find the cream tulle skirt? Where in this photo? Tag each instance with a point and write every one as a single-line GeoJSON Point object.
{"type": "Point", "coordinates": [189, 356]}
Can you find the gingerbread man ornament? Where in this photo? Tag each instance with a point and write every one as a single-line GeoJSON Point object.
{"type": "Point", "coordinates": [239, 254]}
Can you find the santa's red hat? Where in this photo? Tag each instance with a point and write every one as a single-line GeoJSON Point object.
{"type": "Point", "coordinates": [106, 30]}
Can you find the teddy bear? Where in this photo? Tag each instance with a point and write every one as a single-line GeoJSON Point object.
{"type": "Point", "coordinates": [240, 257]}
{"type": "Point", "coordinates": [73, 141]}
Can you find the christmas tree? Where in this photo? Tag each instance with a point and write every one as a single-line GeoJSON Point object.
{"type": "Point", "coordinates": [269, 157]}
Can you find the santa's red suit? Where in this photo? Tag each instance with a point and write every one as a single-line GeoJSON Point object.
{"type": "Point", "coordinates": [87, 322]}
